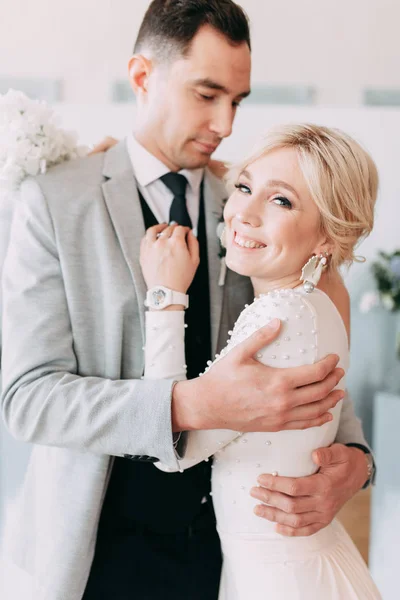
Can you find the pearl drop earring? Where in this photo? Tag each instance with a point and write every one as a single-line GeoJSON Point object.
{"type": "Point", "coordinates": [312, 271]}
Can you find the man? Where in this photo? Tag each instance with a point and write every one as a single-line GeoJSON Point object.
{"type": "Point", "coordinates": [96, 527]}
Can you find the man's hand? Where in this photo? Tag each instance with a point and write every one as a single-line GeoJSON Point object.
{"type": "Point", "coordinates": [104, 145]}
{"type": "Point", "coordinates": [241, 394]}
{"type": "Point", "coordinates": [304, 505]}
{"type": "Point", "coordinates": [218, 167]}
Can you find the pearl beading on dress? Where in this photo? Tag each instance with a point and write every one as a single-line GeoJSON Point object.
{"type": "Point", "coordinates": [259, 313]}
{"type": "Point", "coordinates": [257, 453]}
{"type": "Point", "coordinates": [290, 307]}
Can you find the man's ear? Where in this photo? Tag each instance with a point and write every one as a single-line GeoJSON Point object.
{"type": "Point", "coordinates": [139, 69]}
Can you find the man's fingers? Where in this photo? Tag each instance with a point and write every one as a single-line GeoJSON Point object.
{"type": "Point", "coordinates": [262, 337]}
{"type": "Point", "coordinates": [283, 518]}
{"type": "Point", "coordinates": [217, 167]}
{"type": "Point", "coordinates": [299, 532]}
{"type": "Point", "coordinates": [324, 457]}
{"type": "Point", "coordinates": [319, 391]}
{"type": "Point", "coordinates": [316, 409]}
{"type": "Point", "coordinates": [301, 425]}
{"type": "Point", "coordinates": [288, 504]}
{"type": "Point", "coordinates": [104, 145]}
{"type": "Point", "coordinates": [291, 486]}
{"type": "Point", "coordinates": [306, 374]}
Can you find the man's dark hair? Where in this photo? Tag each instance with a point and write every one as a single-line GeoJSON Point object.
{"type": "Point", "coordinates": [169, 26]}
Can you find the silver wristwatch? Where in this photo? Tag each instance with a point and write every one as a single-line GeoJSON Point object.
{"type": "Point", "coordinates": [160, 297]}
{"type": "Point", "coordinates": [370, 468]}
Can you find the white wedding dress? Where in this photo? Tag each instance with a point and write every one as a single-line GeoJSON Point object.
{"type": "Point", "coordinates": [258, 563]}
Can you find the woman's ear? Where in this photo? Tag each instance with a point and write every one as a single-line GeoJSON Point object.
{"type": "Point", "coordinates": [139, 69]}
{"type": "Point", "coordinates": [324, 247]}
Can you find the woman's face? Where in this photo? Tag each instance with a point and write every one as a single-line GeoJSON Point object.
{"type": "Point", "coordinates": [272, 223]}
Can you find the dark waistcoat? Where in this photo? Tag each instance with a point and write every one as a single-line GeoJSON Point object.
{"type": "Point", "coordinates": [156, 536]}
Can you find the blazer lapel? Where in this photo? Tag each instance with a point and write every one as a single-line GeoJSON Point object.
{"type": "Point", "coordinates": [214, 195]}
{"type": "Point", "coordinates": [122, 199]}
{"type": "Point", "coordinates": [123, 204]}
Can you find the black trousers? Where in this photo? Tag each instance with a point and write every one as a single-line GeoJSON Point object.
{"type": "Point", "coordinates": [140, 564]}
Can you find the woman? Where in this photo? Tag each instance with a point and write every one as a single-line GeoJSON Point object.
{"type": "Point", "coordinates": [300, 205]}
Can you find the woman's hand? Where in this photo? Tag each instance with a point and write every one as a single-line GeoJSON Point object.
{"type": "Point", "coordinates": [169, 256]}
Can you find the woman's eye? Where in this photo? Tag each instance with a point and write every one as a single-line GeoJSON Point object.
{"type": "Point", "coordinates": [243, 188]}
{"type": "Point", "coordinates": [282, 201]}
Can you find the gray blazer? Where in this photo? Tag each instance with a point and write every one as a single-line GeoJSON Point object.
{"type": "Point", "coordinates": [73, 332]}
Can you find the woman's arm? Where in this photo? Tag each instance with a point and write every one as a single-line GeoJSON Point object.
{"type": "Point", "coordinates": [165, 359]}
{"type": "Point", "coordinates": [169, 261]}
{"type": "Point", "coordinates": [165, 345]}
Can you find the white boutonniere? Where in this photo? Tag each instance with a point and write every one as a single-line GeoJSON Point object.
{"type": "Point", "coordinates": [30, 140]}
{"type": "Point", "coordinates": [222, 249]}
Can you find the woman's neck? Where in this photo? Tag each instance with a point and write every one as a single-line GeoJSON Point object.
{"type": "Point", "coordinates": [329, 281]}
{"type": "Point", "coordinates": [263, 286]}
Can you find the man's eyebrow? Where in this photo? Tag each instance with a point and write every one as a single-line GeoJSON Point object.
{"type": "Point", "coordinates": [213, 85]}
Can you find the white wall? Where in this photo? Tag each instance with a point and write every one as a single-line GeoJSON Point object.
{"type": "Point", "coordinates": [339, 46]}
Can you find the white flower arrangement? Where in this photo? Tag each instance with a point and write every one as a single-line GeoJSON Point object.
{"type": "Point", "coordinates": [369, 301]}
{"type": "Point", "coordinates": [30, 140]}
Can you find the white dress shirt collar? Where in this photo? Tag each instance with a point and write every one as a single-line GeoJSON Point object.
{"type": "Point", "coordinates": [148, 168]}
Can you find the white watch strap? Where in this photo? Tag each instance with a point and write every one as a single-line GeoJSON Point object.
{"type": "Point", "coordinates": [160, 297]}
{"type": "Point", "coordinates": [179, 298]}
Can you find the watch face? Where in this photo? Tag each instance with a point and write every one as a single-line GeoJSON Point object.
{"type": "Point", "coordinates": [159, 297]}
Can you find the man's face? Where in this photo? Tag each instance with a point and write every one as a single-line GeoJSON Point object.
{"type": "Point", "coordinates": [191, 102]}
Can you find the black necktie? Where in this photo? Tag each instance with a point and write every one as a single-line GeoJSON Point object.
{"type": "Point", "coordinates": [178, 211]}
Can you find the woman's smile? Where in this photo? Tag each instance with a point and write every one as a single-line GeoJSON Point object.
{"type": "Point", "coordinates": [246, 243]}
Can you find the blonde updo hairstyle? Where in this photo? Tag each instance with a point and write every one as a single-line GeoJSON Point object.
{"type": "Point", "coordinates": [342, 179]}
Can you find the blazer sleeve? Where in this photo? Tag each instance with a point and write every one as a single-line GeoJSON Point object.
{"type": "Point", "coordinates": [350, 428]}
{"type": "Point", "coordinates": [6, 212]}
{"type": "Point", "coordinates": [44, 399]}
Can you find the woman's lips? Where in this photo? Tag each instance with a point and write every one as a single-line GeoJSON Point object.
{"type": "Point", "coordinates": [248, 243]}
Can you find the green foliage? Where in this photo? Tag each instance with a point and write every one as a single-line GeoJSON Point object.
{"type": "Point", "coordinates": [386, 271]}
